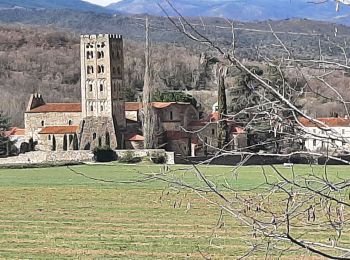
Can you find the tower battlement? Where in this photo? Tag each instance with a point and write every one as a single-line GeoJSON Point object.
{"type": "Point", "coordinates": [97, 36]}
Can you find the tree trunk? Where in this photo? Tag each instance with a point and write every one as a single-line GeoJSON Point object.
{"type": "Point", "coordinates": [148, 113]}
{"type": "Point", "coordinates": [223, 137]}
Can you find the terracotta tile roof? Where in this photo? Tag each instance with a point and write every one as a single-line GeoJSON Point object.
{"type": "Point", "coordinates": [72, 129]}
{"type": "Point", "coordinates": [134, 137]}
{"type": "Point", "coordinates": [238, 130]}
{"type": "Point", "coordinates": [329, 121]}
{"type": "Point", "coordinates": [176, 135]}
{"type": "Point", "coordinates": [57, 107]}
{"type": "Point", "coordinates": [15, 131]}
{"type": "Point", "coordinates": [213, 117]}
{"type": "Point", "coordinates": [134, 106]}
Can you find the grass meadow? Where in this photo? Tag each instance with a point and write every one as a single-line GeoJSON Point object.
{"type": "Point", "coordinates": [54, 213]}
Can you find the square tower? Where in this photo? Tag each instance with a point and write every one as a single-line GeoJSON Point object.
{"type": "Point", "coordinates": [102, 84]}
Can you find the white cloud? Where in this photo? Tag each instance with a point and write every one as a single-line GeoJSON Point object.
{"type": "Point", "coordinates": [102, 2]}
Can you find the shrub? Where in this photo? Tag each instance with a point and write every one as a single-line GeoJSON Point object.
{"type": "Point", "coordinates": [129, 157]}
{"type": "Point", "coordinates": [158, 158]}
{"type": "Point", "coordinates": [104, 154]}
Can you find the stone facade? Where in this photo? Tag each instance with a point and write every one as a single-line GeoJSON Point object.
{"type": "Point", "coordinates": [100, 117]}
{"type": "Point", "coordinates": [98, 131]}
{"type": "Point", "coordinates": [102, 89]}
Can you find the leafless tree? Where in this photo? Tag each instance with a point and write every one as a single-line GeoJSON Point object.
{"type": "Point", "coordinates": [289, 210]}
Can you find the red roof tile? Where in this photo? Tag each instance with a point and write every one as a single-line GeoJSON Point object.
{"type": "Point", "coordinates": [57, 107]}
{"type": "Point", "coordinates": [59, 130]}
{"type": "Point", "coordinates": [330, 121]}
{"type": "Point", "coordinates": [135, 137]}
{"type": "Point", "coordinates": [238, 130]}
{"type": "Point", "coordinates": [132, 106]}
{"type": "Point", "coordinates": [15, 131]}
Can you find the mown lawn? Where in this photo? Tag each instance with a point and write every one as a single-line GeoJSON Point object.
{"type": "Point", "coordinates": [56, 213]}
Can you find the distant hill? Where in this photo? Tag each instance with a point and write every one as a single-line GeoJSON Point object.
{"type": "Point", "coordinates": [242, 10]}
{"type": "Point", "coordinates": [77, 5]}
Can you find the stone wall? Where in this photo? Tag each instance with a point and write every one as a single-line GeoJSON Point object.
{"type": "Point", "coordinates": [40, 157]}
{"type": "Point", "coordinates": [169, 156]}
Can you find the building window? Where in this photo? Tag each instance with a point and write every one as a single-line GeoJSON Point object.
{"type": "Point", "coordinates": [90, 69]}
{"type": "Point", "coordinates": [94, 136]}
{"type": "Point", "coordinates": [89, 55]}
{"type": "Point", "coordinates": [49, 137]}
{"type": "Point", "coordinates": [43, 123]}
{"type": "Point", "coordinates": [171, 115]}
{"type": "Point", "coordinates": [119, 71]}
{"type": "Point", "coordinates": [103, 44]}
{"type": "Point", "coordinates": [314, 143]}
{"type": "Point", "coordinates": [91, 108]}
{"type": "Point", "coordinates": [100, 69]}
{"type": "Point", "coordinates": [118, 54]}
{"type": "Point", "coordinates": [314, 131]}
{"type": "Point", "coordinates": [101, 87]}
{"type": "Point", "coordinates": [100, 54]}
{"type": "Point", "coordinates": [343, 131]}
{"type": "Point", "coordinates": [70, 122]}
{"type": "Point", "coordinates": [212, 132]}
{"type": "Point", "coordinates": [101, 107]}
{"type": "Point", "coordinates": [90, 87]}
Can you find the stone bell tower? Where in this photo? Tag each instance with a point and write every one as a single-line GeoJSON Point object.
{"type": "Point", "coordinates": [102, 91]}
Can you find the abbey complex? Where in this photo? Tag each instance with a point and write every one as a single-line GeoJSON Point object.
{"type": "Point", "coordinates": [104, 118]}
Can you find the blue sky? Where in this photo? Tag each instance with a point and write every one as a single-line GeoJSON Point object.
{"type": "Point", "coordinates": [102, 2]}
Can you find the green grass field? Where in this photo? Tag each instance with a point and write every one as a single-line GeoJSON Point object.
{"type": "Point", "coordinates": [55, 213]}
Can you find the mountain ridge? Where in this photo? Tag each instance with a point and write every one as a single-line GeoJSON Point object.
{"type": "Point", "coordinates": [77, 5]}
{"type": "Point", "coordinates": [242, 10]}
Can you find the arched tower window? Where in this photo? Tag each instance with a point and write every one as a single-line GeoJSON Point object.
{"type": "Point", "coordinates": [70, 122]}
{"type": "Point", "coordinates": [91, 108]}
{"type": "Point", "coordinates": [101, 87]}
{"type": "Point", "coordinates": [94, 136]}
{"type": "Point", "coordinates": [90, 69]}
{"type": "Point", "coordinates": [43, 123]}
{"type": "Point", "coordinates": [100, 69]}
{"type": "Point", "coordinates": [90, 87]}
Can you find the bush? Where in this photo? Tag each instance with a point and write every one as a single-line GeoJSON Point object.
{"type": "Point", "coordinates": [129, 157]}
{"type": "Point", "coordinates": [104, 154]}
{"type": "Point", "coordinates": [158, 158]}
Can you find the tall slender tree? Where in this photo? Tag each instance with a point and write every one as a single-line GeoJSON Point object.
{"type": "Point", "coordinates": [4, 140]}
{"type": "Point", "coordinates": [148, 110]}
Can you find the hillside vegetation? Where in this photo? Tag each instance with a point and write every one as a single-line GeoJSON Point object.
{"type": "Point", "coordinates": [37, 58]}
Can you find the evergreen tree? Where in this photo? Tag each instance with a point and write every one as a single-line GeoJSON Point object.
{"type": "Point", "coordinates": [263, 132]}
{"type": "Point", "coordinates": [53, 143]}
{"type": "Point", "coordinates": [4, 140]}
{"type": "Point", "coordinates": [75, 142]}
{"type": "Point", "coordinates": [108, 140]}
{"type": "Point", "coordinates": [65, 143]}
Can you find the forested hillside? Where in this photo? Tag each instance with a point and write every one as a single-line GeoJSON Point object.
{"type": "Point", "coordinates": [37, 58]}
{"type": "Point", "coordinates": [47, 61]}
